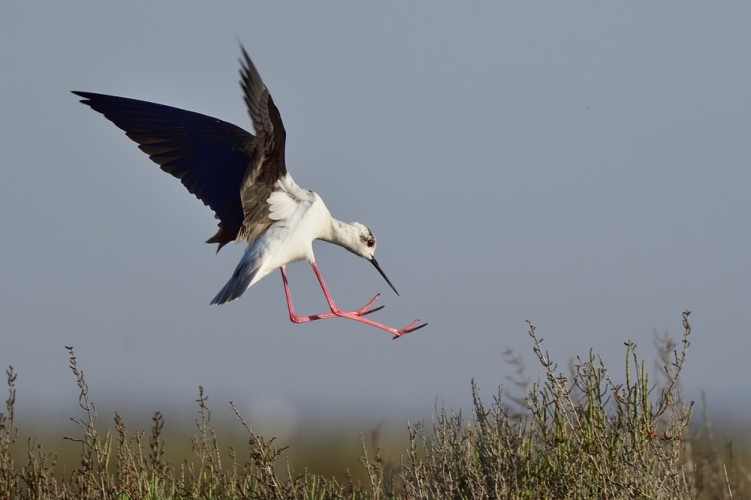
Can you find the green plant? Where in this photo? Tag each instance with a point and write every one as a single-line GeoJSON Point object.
{"type": "Point", "coordinates": [578, 434]}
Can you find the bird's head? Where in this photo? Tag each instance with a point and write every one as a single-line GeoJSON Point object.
{"type": "Point", "coordinates": [365, 245]}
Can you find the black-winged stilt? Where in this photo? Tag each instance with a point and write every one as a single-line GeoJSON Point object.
{"type": "Point", "coordinates": [244, 180]}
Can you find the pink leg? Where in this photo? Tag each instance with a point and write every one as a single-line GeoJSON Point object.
{"type": "Point", "coordinates": [304, 319]}
{"type": "Point", "coordinates": [338, 312]}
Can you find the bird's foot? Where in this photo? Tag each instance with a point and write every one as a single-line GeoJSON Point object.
{"type": "Point", "coordinates": [393, 331]}
{"type": "Point", "coordinates": [365, 310]}
{"type": "Point", "coordinates": [338, 313]}
{"type": "Point", "coordinates": [409, 329]}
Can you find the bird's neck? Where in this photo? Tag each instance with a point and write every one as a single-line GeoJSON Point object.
{"type": "Point", "coordinates": [342, 234]}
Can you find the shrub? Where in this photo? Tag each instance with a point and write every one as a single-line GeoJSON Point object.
{"type": "Point", "coordinates": [579, 434]}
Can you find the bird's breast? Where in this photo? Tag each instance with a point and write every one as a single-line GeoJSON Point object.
{"type": "Point", "coordinates": [299, 216]}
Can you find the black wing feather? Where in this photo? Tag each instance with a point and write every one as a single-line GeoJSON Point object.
{"type": "Point", "coordinates": [267, 122]}
{"type": "Point", "coordinates": [209, 156]}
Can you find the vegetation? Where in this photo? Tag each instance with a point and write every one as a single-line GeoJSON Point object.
{"type": "Point", "coordinates": [581, 434]}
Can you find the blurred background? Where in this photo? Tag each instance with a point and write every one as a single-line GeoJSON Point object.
{"type": "Point", "coordinates": [582, 166]}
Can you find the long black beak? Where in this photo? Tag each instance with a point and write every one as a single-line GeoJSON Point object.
{"type": "Point", "coordinates": [375, 264]}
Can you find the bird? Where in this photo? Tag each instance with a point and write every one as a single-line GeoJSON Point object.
{"type": "Point", "coordinates": [243, 178]}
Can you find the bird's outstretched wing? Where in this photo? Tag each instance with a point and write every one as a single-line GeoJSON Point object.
{"type": "Point", "coordinates": [209, 156]}
{"type": "Point", "coordinates": [267, 121]}
{"type": "Point", "coordinates": [268, 164]}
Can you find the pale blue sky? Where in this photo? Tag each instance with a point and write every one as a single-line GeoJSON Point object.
{"type": "Point", "coordinates": [581, 165]}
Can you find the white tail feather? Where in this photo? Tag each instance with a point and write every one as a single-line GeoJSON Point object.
{"type": "Point", "coordinates": [241, 279]}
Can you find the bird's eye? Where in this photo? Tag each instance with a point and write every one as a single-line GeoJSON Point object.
{"type": "Point", "coordinates": [370, 242]}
